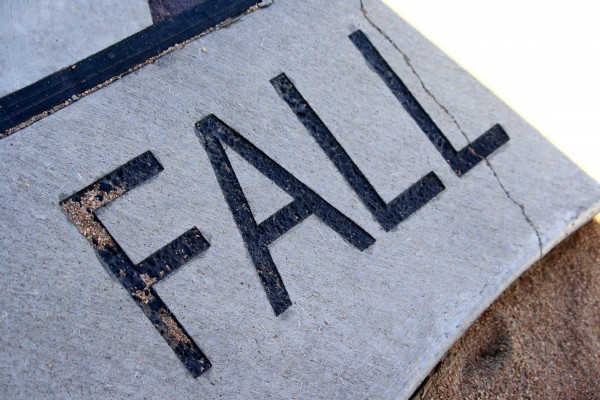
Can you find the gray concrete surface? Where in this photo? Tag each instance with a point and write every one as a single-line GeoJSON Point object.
{"type": "Point", "coordinates": [366, 324]}
{"type": "Point", "coordinates": [39, 37]}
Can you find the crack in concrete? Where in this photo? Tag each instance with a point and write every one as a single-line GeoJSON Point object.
{"type": "Point", "coordinates": [518, 204]}
{"type": "Point", "coordinates": [408, 62]}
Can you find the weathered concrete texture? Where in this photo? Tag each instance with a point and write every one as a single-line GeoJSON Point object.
{"type": "Point", "coordinates": [366, 324]}
{"type": "Point", "coordinates": [40, 37]}
{"type": "Point", "coordinates": [540, 339]}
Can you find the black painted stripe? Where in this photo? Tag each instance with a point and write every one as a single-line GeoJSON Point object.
{"type": "Point", "coordinates": [59, 87]}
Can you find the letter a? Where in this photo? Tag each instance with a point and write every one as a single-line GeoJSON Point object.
{"type": "Point", "coordinates": [257, 237]}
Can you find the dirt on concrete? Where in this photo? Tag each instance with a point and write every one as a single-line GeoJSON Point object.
{"type": "Point", "coordinates": [539, 340]}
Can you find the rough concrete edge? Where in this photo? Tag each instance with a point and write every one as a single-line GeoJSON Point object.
{"type": "Point", "coordinates": [150, 60]}
{"type": "Point", "coordinates": [585, 217]}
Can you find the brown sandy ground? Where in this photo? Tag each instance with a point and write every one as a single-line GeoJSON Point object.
{"type": "Point", "coordinates": [539, 340]}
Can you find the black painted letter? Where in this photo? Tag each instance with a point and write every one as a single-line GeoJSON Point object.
{"type": "Point", "coordinates": [460, 161]}
{"type": "Point", "coordinates": [388, 215]}
{"type": "Point", "coordinates": [257, 237]}
{"type": "Point", "coordinates": [139, 279]}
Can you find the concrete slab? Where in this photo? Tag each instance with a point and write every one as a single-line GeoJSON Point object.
{"type": "Point", "coordinates": [40, 37]}
{"type": "Point", "coordinates": [355, 288]}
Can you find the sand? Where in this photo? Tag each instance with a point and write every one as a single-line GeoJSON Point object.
{"type": "Point", "coordinates": [539, 340]}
